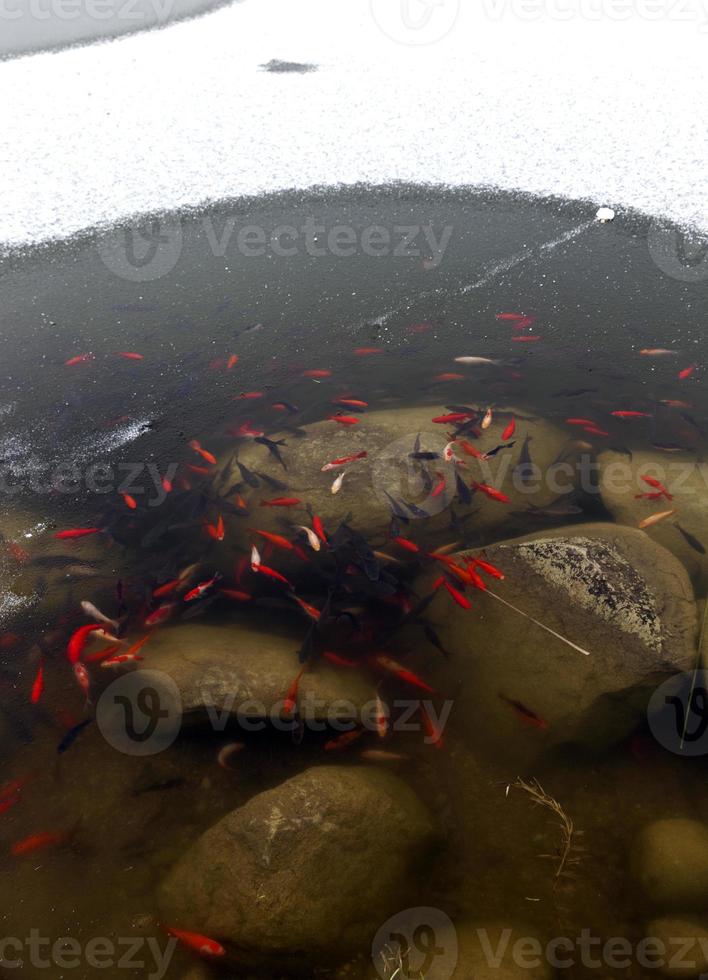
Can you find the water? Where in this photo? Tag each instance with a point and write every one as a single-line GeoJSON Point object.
{"type": "Point", "coordinates": [187, 303]}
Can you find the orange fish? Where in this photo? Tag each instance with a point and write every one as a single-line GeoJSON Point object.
{"type": "Point", "coordinates": [82, 678]}
{"type": "Point", "coordinates": [491, 492]}
{"type": "Point", "coordinates": [275, 539]}
{"type": "Point", "coordinates": [451, 418]}
{"type": "Point", "coordinates": [343, 740]}
{"type": "Point", "coordinates": [312, 611]}
{"type": "Point", "coordinates": [469, 449]}
{"type": "Point", "coordinates": [343, 460]}
{"type": "Point", "coordinates": [339, 661]}
{"type": "Point", "coordinates": [350, 402]}
{"type": "Point", "coordinates": [658, 485]}
{"type": "Point", "coordinates": [449, 376]}
{"type": "Point", "coordinates": [249, 396]}
{"type": "Point", "coordinates": [129, 501]}
{"type": "Point", "coordinates": [344, 419]}
{"type": "Point", "coordinates": [687, 372]}
{"type": "Point", "coordinates": [271, 573]}
{"type": "Point", "coordinates": [196, 942]}
{"type": "Point", "coordinates": [232, 361]}
{"type": "Point", "coordinates": [580, 422]}
{"type": "Point", "coordinates": [161, 614]}
{"type": "Point", "coordinates": [631, 415]}
{"type": "Point", "coordinates": [79, 639]}
{"type": "Point", "coordinates": [198, 591]}
{"type": "Point", "coordinates": [317, 373]}
{"type": "Point", "coordinates": [281, 502]}
{"type": "Point", "coordinates": [290, 699]}
{"type": "Point", "coordinates": [80, 359]}
{"type": "Point", "coordinates": [216, 531]}
{"type": "Point", "coordinates": [130, 355]}
{"type": "Point", "coordinates": [38, 842]}
{"type": "Point", "coordinates": [392, 667]}
{"type": "Point", "coordinates": [526, 339]}
{"type": "Point", "coordinates": [509, 430]}
{"type": "Point", "coordinates": [458, 596]}
{"type": "Point", "coordinates": [79, 532]}
{"type": "Point", "coordinates": [204, 453]}
{"type": "Point", "coordinates": [367, 351]}
{"type": "Point", "coordinates": [405, 543]}
{"type": "Point", "coordinates": [487, 567]}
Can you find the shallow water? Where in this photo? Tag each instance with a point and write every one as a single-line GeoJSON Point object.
{"type": "Point", "coordinates": [187, 303]}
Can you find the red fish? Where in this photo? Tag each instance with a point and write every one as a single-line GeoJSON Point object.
{"type": "Point", "coordinates": [38, 686]}
{"type": "Point", "coordinates": [271, 573]}
{"type": "Point", "coordinates": [166, 485]}
{"type": "Point", "coordinates": [687, 372]}
{"type": "Point", "coordinates": [236, 594]}
{"type": "Point", "coordinates": [593, 430]}
{"type": "Point", "coordinates": [658, 485]}
{"type": "Point", "coordinates": [631, 415]}
{"type": "Point", "coordinates": [367, 351]}
{"type": "Point", "coordinates": [312, 611]}
{"type": "Point", "coordinates": [491, 492]}
{"type": "Point", "coordinates": [204, 453]}
{"type": "Point", "coordinates": [198, 591]}
{"type": "Point", "coordinates": [80, 359]}
{"type": "Point", "coordinates": [469, 449]}
{"type": "Point", "coordinates": [79, 639]}
{"type": "Point", "coordinates": [510, 316]}
{"type": "Point", "coordinates": [275, 539]}
{"type": "Point", "coordinates": [37, 842]}
{"type": "Point", "coordinates": [281, 502]}
{"type": "Point", "coordinates": [451, 418]}
{"type": "Point", "coordinates": [458, 596]}
{"type": "Point", "coordinates": [317, 373]}
{"type": "Point", "coordinates": [509, 430]}
{"type": "Point", "coordinates": [405, 543]}
{"type": "Point", "coordinates": [449, 376]}
{"type": "Point", "coordinates": [343, 460]}
{"type": "Point", "coordinates": [216, 531]}
{"type": "Point", "coordinates": [290, 700]}
{"type": "Point", "coordinates": [343, 740]}
{"type": "Point", "coordinates": [161, 614]}
{"type": "Point", "coordinates": [130, 355]}
{"type": "Point", "coordinates": [350, 402]}
{"type": "Point", "coordinates": [487, 567]}
{"type": "Point", "coordinates": [78, 532]}
{"type": "Point", "coordinates": [439, 486]}
{"type": "Point", "coordinates": [318, 528]}
{"type": "Point", "coordinates": [129, 501]}
{"type": "Point", "coordinates": [393, 667]}
{"type": "Point", "coordinates": [580, 422]}
{"type": "Point", "coordinates": [101, 655]}
{"type": "Point", "coordinates": [344, 419]}
{"type": "Point", "coordinates": [250, 396]}
{"type": "Point", "coordinates": [339, 661]}
{"type": "Point", "coordinates": [196, 942]}
{"type": "Point", "coordinates": [526, 339]}
{"type": "Point", "coordinates": [232, 362]}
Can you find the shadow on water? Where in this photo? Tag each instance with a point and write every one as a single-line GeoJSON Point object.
{"type": "Point", "coordinates": [254, 316]}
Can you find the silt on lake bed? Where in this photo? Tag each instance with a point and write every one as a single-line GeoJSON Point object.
{"type": "Point", "coordinates": [348, 540]}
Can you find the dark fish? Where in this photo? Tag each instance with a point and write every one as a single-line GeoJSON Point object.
{"type": "Point", "coordinates": [424, 455]}
{"type": "Point", "coordinates": [272, 482]}
{"type": "Point", "coordinates": [691, 541]}
{"type": "Point", "coordinates": [396, 508]}
{"type": "Point", "coordinates": [272, 447]}
{"type": "Point", "coordinates": [691, 421]}
{"type": "Point", "coordinates": [573, 392]}
{"type": "Point", "coordinates": [160, 784]}
{"type": "Point", "coordinates": [622, 450]}
{"type": "Point", "coordinates": [250, 478]}
{"type": "Point", "coordinates": [415, 510]}
{"type": "Point", "coordinates": [463, 491]}
{"type": "Point", "coordinates": [72, 735]}
{"type": "Point", "coordinates": [524, 467]}
{"type": "Point", "coordinates": [498, 449]}
{"type": "Point", "coordinates": [434, 638]}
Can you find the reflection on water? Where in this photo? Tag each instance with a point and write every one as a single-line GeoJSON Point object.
{"type": "Point", "coordinates": [386, 514]}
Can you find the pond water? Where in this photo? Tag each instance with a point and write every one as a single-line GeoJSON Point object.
{"type": "Point", "coordinates": [175, 388]}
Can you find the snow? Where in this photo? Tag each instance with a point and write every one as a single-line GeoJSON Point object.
{"type": "Point", "coordinates": [514, 95]}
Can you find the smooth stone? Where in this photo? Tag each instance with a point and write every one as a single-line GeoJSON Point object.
{"type": "Point", "coordinates": [388, 436]}
{"type": "Point", "coordinates": [608, 589]}
{"type": "Point", "coordinates": [684, 476]}
{"type": "Point", "coordinates": [670, 862]}
{"type": "Point", "coordinates": [304, 873]}
{"type": "Point", "coordinates": [230, 672]}
{"type": "Point", "coordinates": [675, 933]}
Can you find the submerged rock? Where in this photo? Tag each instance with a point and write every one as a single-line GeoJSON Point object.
{"type": "Point", "coordinates": [389, 481]}
{"type": "Point", "coordinates": [607, 589]}
{"type": "Point", "coordinates": [684, 534]}
{"type": "Point", "coordinates": [304, 873]}
{"type": "Point", "coordinates": [229, 672]}
{"type": "Point", "coordinates": [670, 862]}
{"type": "Point", "coordinates": [686, 943]}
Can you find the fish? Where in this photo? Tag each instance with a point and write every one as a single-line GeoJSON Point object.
{"type": "Point", "coordinates": [38, 842]}
{"type": "Point", "coordinates": [690, 540]}
{"type": "Point", "coordinates": [583, 422]}
{"type": "Point", "coordinates": [317, 373]}
{"type": "Point", "coordinates": [344, 419]}
{"type": "Point", "coordinates": [196, 942]}
{"type": "Point", "coordinates": [658, 485]}
{"type": "Point", "coordinates": [130, 502]}
{"type": "Point", "coordinates": [227, 751]}
{"type": "Point", "coordinates": [272, 446]}
{"type": "Point", "coordinates": [509, 430]}
{"type": "Point", "coordinates": [526, 339]}
{"type": "Point", "coordinates": [281, 502]}
{"type": "Point", "coordinates": [526, 714]}
{"type": "Point", "coordinates": [290, 700]}
{"type": "Point", "coordinates": [670, 447]}
{"type": "Point", "coordinates": [657, 352]}
{"type": "Point", "coordinates": [311, 611]}
{"type": "Point", "coordinates": [272, 573]}
{"type": "Point", "coordinates": [337, 484]}
{"type": "Point", "coordinates": [82, 679]}
{"type": "Point", "coordinates": [80, 359]}
{"type": "Point", "coordinates": [338, 660]}
{"type": "Point", "coordinates": [79, 638]}
{"type": "Point", "coordinates": [204, 453]}
{"type": "Point", "coordinates": [687, 372]}
{"type": "Point", "coordinates": [406, 544]}
{"type": "Point", "coordinates": [236, 594]}
{"type": "Point", "coordinates": [631, 415]}
{"type": "Point", "coordinates": [344, 460]}
{"type": "Point", "coordinates": [450, 419]}
{"type": "Point", "coordinates": [95, 613]}
{"type": "Point", "coordinates": [487, 419]}
{"type": "Point", "coordinates": [391, 666]}
{"type": "Point", "coordinates": [381, 755]}
{"type": "Point", "coordinates": [497, 449]}
{"type": "Point", "coordinates": [343, 741]}
{"type": "Point", "coordinates": [510, 316]}
{"type": "Point", "coordinates": [350, 402]}
{"type": "Point", "coordinates": [71, 736]}
{"type": "Point", "coordinates": [37, 686]}
{"type": "Point", "coordinates": [199, 590]}
{"type": "Point", "coordinates": [475, 360]}
{"type": "Point", "coordinates": [250, 478]}
{"type": "Point", "coordinates": [449, 376]}
{"type": "Point", "coordinates": [381, 716]}
{"type": "Point", "coordinates": [486, 567]}
{"type": "Point", "coordinates": [491, 492]}
{"type": "Point", "coordinates": [432, 731]}
{"type": "Point", "coordinates": [232, 362]}
{"type": "Point", "coordinates": [368, 351]}
{"type": "Point", "coordinates": [462, 490]}
{"type": "Point", "coordinates": [216, 531]}
{"type": "Point", "coordinates": [74, 533]}
{"type": "Point", "coordinates": [655, 518]}
{"type": "Point", "coordinates": [277, 540]}
{"type": "Point", "coordinates": [161, 614]}
{"type": "Point", "coordinates": [130, 355]}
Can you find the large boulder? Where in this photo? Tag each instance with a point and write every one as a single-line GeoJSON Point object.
{"type": "Point", "coordinates": [232, 672]}
{"type": "Point", "coordinates": [388, 473]}
{"type": "Point", "coordinates": [670, 862]}
{"type": "Point", "coordinates": [684, 534]}
{"type": "Point", "coordinates": [304, 873]}
{"type": "Point", "coordinates": [517, 688]}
